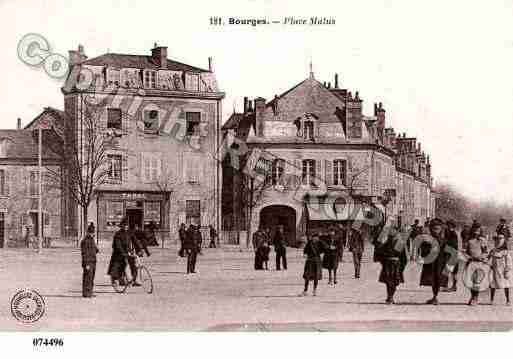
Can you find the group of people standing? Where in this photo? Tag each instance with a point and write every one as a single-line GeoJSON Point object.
{"type": "Point", "coordinates": [262, 246]}
{"type": "Point", "coordinates": [441, 255]}
{"type": "Point", "coordinates": [330, 244]}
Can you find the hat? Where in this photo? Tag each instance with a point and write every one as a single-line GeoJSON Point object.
{"type": "Point", "coordinates": [502, 220]}
{"type": "Point", "coordinates": [123, 222]}
{"type": "Point", "coordinates": [436, 222]}
{"type": "Point", "coordinates": [451, 223]}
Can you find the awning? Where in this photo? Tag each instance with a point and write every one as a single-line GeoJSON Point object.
{"type": "Point", "coordinates": [329, 210]}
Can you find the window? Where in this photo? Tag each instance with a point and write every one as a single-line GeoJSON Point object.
{"type": "Point", "coordinates": [150, 79]}
{"type": "Point", "coordinates": [308, 130]}
{"type": "Point", "coordinates": [152, 212]}
{"type": "Point", "coordinates": [114, 118]}
{"type": "Point", "coordinates": [339, 172]}
{"type": "Point", "coordinates": [151, 167]}
{"type": "Point", "coordinates": [113, 77]}
{"type": "Point", "coordinates": [192, 212]}
{"type": "Point", "coordinates": [3, 183]}
{"type": "Point", "coordinates": [114, 167]}
{"type": "Point", "coordinates": [193, 122]}
{"type": "Point", "coordinates": [308, 174]}
{"type": "Point", "coordinates": [151, 121]}
{"type": "Point", "coordinates": [193, 168]}
{"type": "Point", "coordinates": [114, 213]}
{"type": "Point", "coordinates": [33, 183]}
{"type": "Point", "coordinates": [355, 129]}
{"type": "Point", "coordinates": [277, 171]}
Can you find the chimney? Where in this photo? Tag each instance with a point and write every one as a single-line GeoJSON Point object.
{"type": "Point", "coordinates": [77, 56]}
{"type": "Point", "coordinates": [259, 115]}
{"type": "Point", "coordinates": [275, 105]}
{"type": "Point", "coordinates": [329, 84]}
{"type": "Point", "coordinates": [324, 83]}
{"type": "Point", "coordinates": [245, 104]}
{"type": "Point", "coordinates": [419, 147]}
{"type": "Point", "coordinates": [336, 81]}
{"type": "Point", "coordinates": [159, 56]}
{"type": "Point", "coordinates": [250, 106]}
{"type": "Point", "coordinates": [375, 109]}
{"type": "Point", "coordinates": [18, 124]}
{"type": "Point", "coordinates": [210, 68]}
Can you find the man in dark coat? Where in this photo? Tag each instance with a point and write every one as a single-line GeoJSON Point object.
{"type": "Point", "coordinates": [503, 229]}
{"type": "Point", "coordinates": [257, 239]}
{"type": "Point", "coordinates": [435, 259]}
{"type": "Point", "coordinates": [213, 236]}
{"type": "Point", "coordinates": [120, 252]}
{"type": "Point", "coordinates": [452, 241]}
{"type": "Point", "coordinates": [280, 247]}
{"type": "Point", "coordinates": [355, 244]}
{"type": "Point", "coordinates": [191, 248]}
{"type": "Point", "coordinates": [89, 250]}
{"type": "Point", "coordinates": [465, 235]}
{"type": "Point", "coordinates": [182, 232]}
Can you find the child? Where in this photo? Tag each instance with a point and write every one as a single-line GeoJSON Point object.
{"type": "Point", "coordinates": [476, 270]}
{"type": "Point", "coordinates": [393, 260]}
{"type": "Point", "coordinates": [332, 256]}
{"type": "Point", "coordinates": [313, 268]}
{"type": "Point", "coordinates": [263, 251]}
{"type": "Point", "coordinates": [501, 276]}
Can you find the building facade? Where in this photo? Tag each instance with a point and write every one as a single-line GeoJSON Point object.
{"type": "Point", "coordinates": [322, 158]}
{"type": "Point", "coordinates": [19, 192]}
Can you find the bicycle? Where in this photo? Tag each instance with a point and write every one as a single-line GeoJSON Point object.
{"type": "Point", "coordinates": [143, 275]}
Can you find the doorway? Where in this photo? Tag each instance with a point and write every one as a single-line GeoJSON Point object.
{"type": "Point", "coordinates": [134, 217]}
{"type": "Point", "coordinates": [279, 215]}
{"type": "Point", "coordinates": [35, 224]}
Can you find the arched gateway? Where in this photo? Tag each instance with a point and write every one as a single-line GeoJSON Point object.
{"type": "Point", "coordinates": [275, 215]}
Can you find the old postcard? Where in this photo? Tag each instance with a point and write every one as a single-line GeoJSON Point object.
{"type": "Point", "coordinates": [255, 166]}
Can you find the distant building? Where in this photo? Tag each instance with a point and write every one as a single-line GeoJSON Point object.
{"type": "Point", "coordinates": [19, 175]}
{"type": "Point", "coordinates": [314, 132]}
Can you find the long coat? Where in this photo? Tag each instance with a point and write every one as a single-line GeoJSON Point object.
{"type": "Point", "coordinates": [355, 241]}
{"type": "Point", "coordinates": [88, 250]}
{"type": "Point", "coordinates": [393, 260]}
{"type": "Point", "coordinates": [501, 275]}
{"type": "Point", "coordinates": [433, 273]}
{"type": "Point", "coordinates": [121, 247]}
{"type": "Point", "coordinates": [333, 251]}
{"type": "Point", "coordinates": [313, 268]}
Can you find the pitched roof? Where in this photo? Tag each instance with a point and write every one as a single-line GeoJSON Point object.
{"type": "Point", "coordinates": [233, 121]}
{"type": "Point", "coordinates": [21, 144]}
{"type": "Point", "coordinates": [138, 62]}
{"type": "Point", "coordinates": [58, 115]}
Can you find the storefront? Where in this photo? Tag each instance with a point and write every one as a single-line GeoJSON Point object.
{"type": "Point", "coordinates": [140, 208]}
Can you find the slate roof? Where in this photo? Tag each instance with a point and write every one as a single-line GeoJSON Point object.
{"type": "Point", "coordinates": [233, 121]}
{"type": "Point", "coordinates": [138, 62]}
{"type": "Point", "coordinates": [58, 115]}
{"type": "Point", "coordinates": [20, 144]}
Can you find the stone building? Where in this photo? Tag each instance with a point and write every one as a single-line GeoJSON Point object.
{"type": "Point", "coordinates": [165, 116]}
{"type": "Point", "coordinates": [323, 157]}
{"type": "Point", "coordinates": [19, 194]}
{"type": "Point", "coordinates": [162, 119]}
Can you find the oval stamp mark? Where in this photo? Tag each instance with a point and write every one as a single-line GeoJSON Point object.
{"type": "Point", "coordinates": [27, 306]}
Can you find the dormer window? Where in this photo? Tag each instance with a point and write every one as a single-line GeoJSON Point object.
{"type": "Point", "coordinates": [308, 130]}
{"type": "Point", "coordinates": [150, 79]}
{"type": "Point", "coordinates": [151, 121]}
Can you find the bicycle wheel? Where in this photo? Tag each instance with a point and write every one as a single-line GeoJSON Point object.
{"type": "Point", "coordinates": [145, 278]}
{"type": "Point", "coordinates": [120, 287]}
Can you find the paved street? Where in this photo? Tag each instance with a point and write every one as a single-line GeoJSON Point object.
{"type": "Point", "coordinates": [227, 294]}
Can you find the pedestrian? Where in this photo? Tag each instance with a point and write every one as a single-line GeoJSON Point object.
{"type": "Point", "coordinates": [88, 250]}
{"type": "Point", "coordinates": [313, 269]}
{"type": "Point", "coordinates": [135, 248]}
{"type": "Point", "coordinates": [356, 246]}
{"type": "Point", "coordinates": [465, 235]}
{"type": "Point", "coordinates": [280, 247]}
{"type": "Point", "coordinates": [434, 272]}
{"type": "Point", "coordinates": [332, 255]}
{"type": "Point", "coordinates": [503, 229]}
{"type": "Point", "coordinates": [476, 270]}
{"type": "Point", "coordinates": [213, 236]}
{"type": "Point", "coordinates": [191, 249]}
{"type": "Point", "coordinates": [142, 239]}
{"type": "Point", "coordinates": [198, 238]}
{"type": "Point", "coordinates": [502, 268]}
{"type": "Point", "coordinates": [452, 242]}
{"type": "Point", "coordinates": [393, 259]}
{"type": "Point", "coordinates": [258, 237]}
{"type": "Point", "coordinates": [415, 230]}
{"type": "Point", "coordinates": [181, 237]}
{"type": "Point", "coordinates": [120, 245]}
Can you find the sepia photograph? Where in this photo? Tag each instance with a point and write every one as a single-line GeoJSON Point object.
{"type": "Point", "coordinates": [255, 166]}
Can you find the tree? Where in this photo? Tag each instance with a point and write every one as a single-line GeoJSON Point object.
{"type": "Point", "coordinates": [451, 204]}
{"type": "Point", "coordinates": [86, 163]}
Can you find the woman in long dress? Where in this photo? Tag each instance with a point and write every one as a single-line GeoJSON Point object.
{"type": "Point", "coordinates": [501, 275]}
{"type": "Point", "coordinates": [393, 261]}
{"type": "Point", "coordinates": [477, 271]}
{"type": "Point", "coordinates": [313, 267]}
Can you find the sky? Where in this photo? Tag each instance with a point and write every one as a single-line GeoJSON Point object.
{"type": "Point", "coordinates": [443, 69]}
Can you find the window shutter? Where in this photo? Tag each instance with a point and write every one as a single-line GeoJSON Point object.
{"type": "Point", "coordinates": [349, 174]}
{"type": "Point", "coordinates": [298, 171]}
{"type": "Point", "coordinates": [7, 182]}
{"type": "Point", "coordinates": [318, 172]}
{"type": "Point", "coordinates": [328, 168]}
